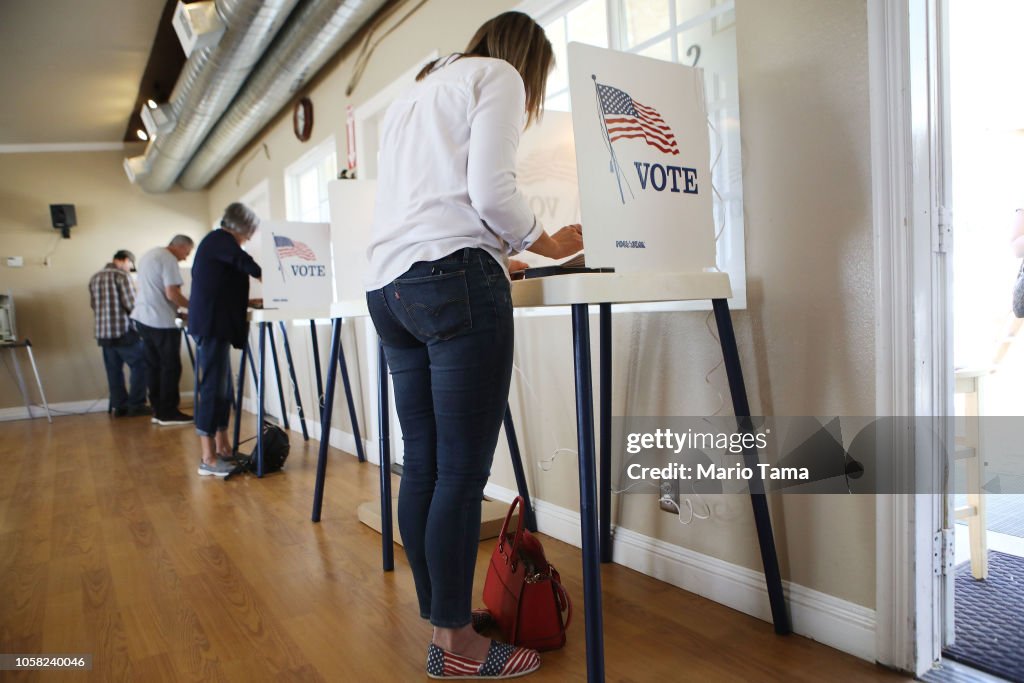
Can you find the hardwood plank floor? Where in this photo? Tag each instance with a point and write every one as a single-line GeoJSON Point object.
{"type": "Point", "coordinates": [111, 544]}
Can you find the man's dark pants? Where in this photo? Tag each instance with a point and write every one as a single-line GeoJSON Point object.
{"type": "Point", "coordinates": [125, 350]}
{"type": "Point", "coordinates": [163, 368]}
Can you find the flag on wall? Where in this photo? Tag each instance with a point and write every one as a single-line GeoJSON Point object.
{"type": "Point", "coordinates": [286, 247]}
{"type": "Point", "coordinates": [624, 117]}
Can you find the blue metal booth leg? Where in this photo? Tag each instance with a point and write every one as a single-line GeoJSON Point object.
{"type": "Point", "coordinates": [351, 404]}
{"type": "Point", "coordinates": [325, 420]}
{"type": "Point", "coordinates": [295, 381]}
{"type": "Point", "coordinates": [588, 491]}
{"type": "Point", "coordinates": [277, 373]}
{"type": "Point", "coordinates": [238, 402]}
{"type": "Point", "coordinates": [605, 401]}
{"type": "Point", "coordinates": [762, 518]}
{"type": "Point", "coordinates": [188, 347]}
{"type": "Point", "coordinates": [517, 468]}
{"type": "Point", "coordinates": [261, 378]}
{"type": "Point", "coordinates": [384, 420]}
{"type": "Point", "coordinates": [316, 364]}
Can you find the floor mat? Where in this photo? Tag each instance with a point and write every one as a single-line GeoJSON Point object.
{"type": "Point", "coordinates": [989, 617]}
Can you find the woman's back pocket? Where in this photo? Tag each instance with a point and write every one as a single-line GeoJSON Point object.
{"type": "Point", "coordinates": [437, 305]}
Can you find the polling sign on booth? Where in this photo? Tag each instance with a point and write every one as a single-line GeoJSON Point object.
{"type": "Point", "coordinates": [642, 154]}
{"type": "Point", "coordinates": [297, 270]}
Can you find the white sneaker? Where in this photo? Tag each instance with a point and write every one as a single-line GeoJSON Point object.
{"type": "Point", "coordinates": [179, 418]}
{"type": "Point", "coordinates": [218, 469]}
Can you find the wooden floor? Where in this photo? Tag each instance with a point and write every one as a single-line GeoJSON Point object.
{"type": "Point", "coordinates": [111, 544]}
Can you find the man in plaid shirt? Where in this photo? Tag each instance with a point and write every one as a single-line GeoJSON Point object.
{"type": "Point", "coordinates": [112, 296]}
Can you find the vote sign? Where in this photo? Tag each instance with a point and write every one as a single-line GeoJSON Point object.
{"type": "Point", "coordinates": [642, 155]}
{"type": "Point", "coordinates": [297, 270]}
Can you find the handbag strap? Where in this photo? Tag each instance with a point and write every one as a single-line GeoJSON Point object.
{"type": "Point", "coordinates": [511, 555]}
{"type": "Point", "coordinates": [563, 598]}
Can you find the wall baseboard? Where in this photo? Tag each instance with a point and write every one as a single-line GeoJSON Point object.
{"type": "Point", "coordinates": [835, 622]}
{"type": "Point", "coordinates": [63, 409]}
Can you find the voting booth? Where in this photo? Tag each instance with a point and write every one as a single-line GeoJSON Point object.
{"type": "Point", "coordinates": [298, 276]}
{"type": "Point", "coordinates": [632, 164]}
{"type": "Point", "coordinates": [641, 139]}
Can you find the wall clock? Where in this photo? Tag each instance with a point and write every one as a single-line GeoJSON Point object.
{"type": "Point", "coordinates": [302, 119]}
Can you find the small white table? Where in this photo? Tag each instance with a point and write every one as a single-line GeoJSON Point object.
{"type": "Point", "coordinates": [13, 346]}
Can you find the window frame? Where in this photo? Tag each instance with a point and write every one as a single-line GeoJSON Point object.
{"type": "Point", "coordinates": [297, 169]}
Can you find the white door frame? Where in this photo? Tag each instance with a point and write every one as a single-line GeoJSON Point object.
{"type": "Point", "coordinates": [913, 340]}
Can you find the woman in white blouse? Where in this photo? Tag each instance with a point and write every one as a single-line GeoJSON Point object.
{"type": "Point", "coordinates": [448, 214]}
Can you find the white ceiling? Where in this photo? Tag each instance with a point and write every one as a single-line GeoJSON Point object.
{"type": "Point", "coordinates": [70, 69]}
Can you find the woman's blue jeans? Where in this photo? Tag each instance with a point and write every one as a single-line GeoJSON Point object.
{"type": "Point", "coordinates": [213, 403]}
{"type": "Point", "coordinates": [447, 332]}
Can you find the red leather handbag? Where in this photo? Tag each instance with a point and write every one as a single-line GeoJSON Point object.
{"type": "Point", "coordinates": [523, 592]}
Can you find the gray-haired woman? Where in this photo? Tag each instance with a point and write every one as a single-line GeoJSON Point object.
{"type": "Point", "coordinates": [217, 320]}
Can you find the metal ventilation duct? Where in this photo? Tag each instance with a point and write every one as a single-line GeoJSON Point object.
{"type": "Point", "coordinates": [315, 32]}
{"type": "Point", "coordinates": [209, 81]}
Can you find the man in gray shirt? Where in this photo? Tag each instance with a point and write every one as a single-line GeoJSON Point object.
{"type": "Point", "coordinates": [156, 308]}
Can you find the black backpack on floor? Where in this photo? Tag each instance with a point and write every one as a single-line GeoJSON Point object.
{"type": "Point", "coordinates": [275, 452]}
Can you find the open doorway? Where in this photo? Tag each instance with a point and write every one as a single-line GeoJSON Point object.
{"type": "Point", "coordinates": [986, 105]}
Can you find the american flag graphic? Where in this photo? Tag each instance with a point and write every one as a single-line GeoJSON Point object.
{"type": "Point", "coordinates": [627, 118]}
{"type": "Point", "coordinates": [457, 665]}
{"type": "Point", "coordinates": [286, 247]}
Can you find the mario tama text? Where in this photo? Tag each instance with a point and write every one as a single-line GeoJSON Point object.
{"type": "Point", "coordinates": [724, 441]}
{"type": "Point", "coordinates": [712, 472]}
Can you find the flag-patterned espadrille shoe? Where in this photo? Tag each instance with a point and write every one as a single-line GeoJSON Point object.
{"type": "Point", "coordinates": [503, 661]}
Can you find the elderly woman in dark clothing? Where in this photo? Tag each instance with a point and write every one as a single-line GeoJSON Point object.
{"type": "Point", "coordinates": [217, 320]}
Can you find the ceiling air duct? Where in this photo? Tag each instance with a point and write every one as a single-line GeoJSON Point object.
{"type": "Point", "coordinates": [207, 84]}
{"type": "Point", "coordinates": [314, 33]}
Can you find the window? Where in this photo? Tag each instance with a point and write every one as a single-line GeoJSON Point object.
{"type": "Point", "coordinates": [587, 22]}
{"type": "Point", "coordinates": [305, 184]}
{"type": "Point", "coordinates": [699, 33]}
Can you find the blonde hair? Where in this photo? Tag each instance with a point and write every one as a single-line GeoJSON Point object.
{"type": "Point", "coordinates": [520, 41]}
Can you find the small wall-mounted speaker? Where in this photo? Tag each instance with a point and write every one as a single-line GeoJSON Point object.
{"type": "Point", "coordinates": [63, 215]}
{"type": "Point", "coordinates": [63, 218]}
